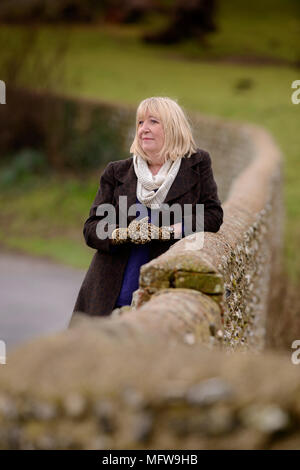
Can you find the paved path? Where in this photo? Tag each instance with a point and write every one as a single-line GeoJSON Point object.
{"type": "Point", "coordinates": [37, 297]}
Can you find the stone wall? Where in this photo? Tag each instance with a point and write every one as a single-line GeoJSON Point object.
{"type": "Point", "coordinates": [99, 387]}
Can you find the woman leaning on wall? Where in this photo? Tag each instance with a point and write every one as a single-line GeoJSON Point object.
{"type": "Point", "coordinates": [165, 168]}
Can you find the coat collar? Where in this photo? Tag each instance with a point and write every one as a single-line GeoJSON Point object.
{"type": "Point", "coordinates": [185, 179]}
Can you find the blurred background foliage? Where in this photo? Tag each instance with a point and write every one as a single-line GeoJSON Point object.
{"type": "Point", "coordinates": [75, 71]}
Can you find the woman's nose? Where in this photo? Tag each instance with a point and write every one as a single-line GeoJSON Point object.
{"type": "Point", "coordinates": [145, 127]}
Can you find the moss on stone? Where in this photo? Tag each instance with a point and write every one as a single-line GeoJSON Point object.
{"type": "Point", "coordinates": [207, 283]}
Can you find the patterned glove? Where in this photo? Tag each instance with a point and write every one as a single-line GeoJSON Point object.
{"type": "Point", "coordinates": [141, 231]}
{"type": "Point", "coordinates": [119, 236]}
{"type": "Point", "coordinates": [138, 231]}
{"type": "Point", "coordinates": [166, 233]}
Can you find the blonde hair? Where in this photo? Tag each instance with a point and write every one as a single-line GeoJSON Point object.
{"type": "Point", "coordinates": [178, 140]}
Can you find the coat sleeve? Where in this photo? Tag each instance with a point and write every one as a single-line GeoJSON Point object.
{"type": "Point", "coordinates": [208, 196]}
{"type": "Point", "coordinates": [213, 212]}
{"type": "Point", "coordinates": [103, 196]}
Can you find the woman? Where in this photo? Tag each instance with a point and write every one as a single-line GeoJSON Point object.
{"type": "Point", "coordinates": [166, 168]}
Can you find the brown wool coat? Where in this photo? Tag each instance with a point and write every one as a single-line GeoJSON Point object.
{"type": "Point", "coordinates": [194, 184]}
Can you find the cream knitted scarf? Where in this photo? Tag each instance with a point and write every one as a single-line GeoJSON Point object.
{"type": "Point", "coordinates": [146, 182]}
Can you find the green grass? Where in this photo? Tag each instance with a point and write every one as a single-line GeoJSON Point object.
{"type": "Point", "coordinates": [257, 29]}
{"type": "Point", "coordinates": [268, 29]}
{"type": "Point", "coordinates": [47, 219]}
{"type": "Point", "coordinates": [59, 248]}
{"type": "Point", "coordinates": [111, 64]}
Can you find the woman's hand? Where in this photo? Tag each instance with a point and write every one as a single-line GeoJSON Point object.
{"type": "Point", "coordinates": [119, 236]}
{"type": "Point", "coordinates": [141, 231]}
{"type": "Point", "coordinates": [177, 230]}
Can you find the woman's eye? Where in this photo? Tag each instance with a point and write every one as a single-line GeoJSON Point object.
{"type": "Point", "coordinates": [153, 121]}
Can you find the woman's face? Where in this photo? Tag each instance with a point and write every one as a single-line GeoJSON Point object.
{"type": "Point", "coordinates": [151, 135]}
